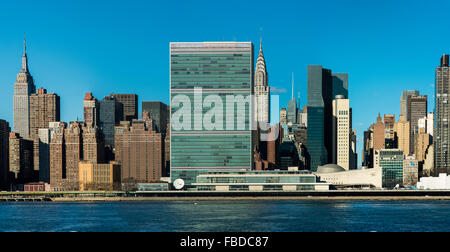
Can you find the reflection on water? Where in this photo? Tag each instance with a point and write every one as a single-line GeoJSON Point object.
{"type": "Point", "coordinates": [231, 216]}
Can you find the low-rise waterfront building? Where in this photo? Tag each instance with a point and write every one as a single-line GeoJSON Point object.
{"type": "Point", "coordinates": [342, 178]}
{"type": "Point", "coordinates": [94, 176]}
{"type": "Point", "coordinates": [260, 181]}
{"type": "Point", "coordinates": [435, 183]}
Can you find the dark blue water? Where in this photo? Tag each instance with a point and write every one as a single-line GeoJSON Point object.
{"type": "Point", "coordinates": [229, 216]}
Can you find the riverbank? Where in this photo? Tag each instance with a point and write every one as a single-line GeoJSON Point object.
{"type": "Point", "coordinates": [199, 199]}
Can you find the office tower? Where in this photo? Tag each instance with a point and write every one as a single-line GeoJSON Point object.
{"type": "Point", "coordinates": [367, 152]}
{"type": "Point", "coordinates": [288, 155]}
{"type": "Point", "coordinates": [45, 136]}
{"type": "Point", "coordinates": [4, 153]}
{"type": "Point", "coordinates": [228, 146]}
{"type": "Point", "coordinates": [410, 170]}
{"type": "Point", "coordinates": [391, 163]}
{"type": "Point", "coordinates": [158, 113]}
{"type": "Point", "coordinates": [262, 90]}
{"type": "Point", "coordinates": [402, 134]}
{"type": "Point", "coordinates": [421, 143]}
{"type": "Point", "coordinates": [353, 155]}
{"type": "Point", "coordinates": [283, 116]}
{"type": "Point", "coordinates": [111, 113]}
{"type": "Point", "coordinates": [341, 132]}
{"type": "Point", "coordinates": [99, 177]}
{"type": "Point", "coordinates": [23, 88]}
{"type": "Point", "coordinates": [292, 111]}
{"type": "Point", "coordinates": [319, 116]}
{"type": "Point", "coordinates": [417, 108]}
{"type": "Point", "coordinates": [389, 136]}
{"type": "Point", "coordinates": [73, 142]}
{"type": "Point", "coordinates": [44, 108]}
{"type": "Point", "coordinates": [441, 139]}
{"type": "Point", "coordinates": [404, 101]}
{"type": "Point", "coordinates": [130, 105]}
{"type": "Point", "coordinates": [57, 157]}
{"type": "Point", "coordinates": [340, 85]}
{"type": "Point", "coordinates": [93, 144]}
{"type": "Point", "coordinates": [166, 168]}
{"type": "Point", "coordinates": [427, 123]}
{"type": "Point", "coordinates": [20, 159]}
{"type": "Point", "coordinates": [379, 134]}
{"type": "Point", "coordinates": [91, 110]}
{"type": "Point", "coordinates": [139, 150]}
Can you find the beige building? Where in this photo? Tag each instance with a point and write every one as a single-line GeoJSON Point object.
{"type": "Point", "coordinates": [410, 170]}
{"type": "Point", "coordinates": [99, 177]}
{"type": "Point", "coordinates": [379, 134]}
{"type": "Point", "coordinates": [283, 116]}
{"type": "Point", "coordinates": [421, 142]}
{"type": "Point", "coordinates": [428, 164]}
{"type": "Point", "coordinates": [401, 129]}
{"type": "Point", "coordinates": [341, 132]}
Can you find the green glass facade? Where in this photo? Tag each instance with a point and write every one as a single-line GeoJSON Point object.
{"type": "Point", "coordinates": [391, 162]}
{"type": "Point", "coordinates": [222, 70]}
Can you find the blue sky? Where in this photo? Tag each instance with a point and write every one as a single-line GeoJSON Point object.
{"type": "Point", "coordinates": [123, 46]}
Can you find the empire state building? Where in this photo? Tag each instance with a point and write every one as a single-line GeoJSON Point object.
{"type": "Point", "coordinates": [23, 88]}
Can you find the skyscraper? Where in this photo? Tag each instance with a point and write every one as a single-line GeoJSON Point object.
{"type": "Point", "coordinates": [130, 105]}
{"type": "Point", "coordinates": [158, 113]}
{"type": "Point", "coordinates": [441, 132]}
{"type": "Point", "coordinates": [292, 111]}
{"type": "Point", "coordinates": [417, 109]}
{"type": "Point", "coordinates": [23, 88]}
{"type": "Point", "coordinates": [379, 141]}
{"type": "Point", "coordinates": [111, 113]}
{"type": "Point", "coordinates": [91, 110]}
{"type": "Point", "coordinates": [402, 134]}
{"type": "Point", "coordinates": [221, 69]}
{"type": "Point", "coordinates": [44, 108]}
{"type": "Point", "coordinates": [320, 90]}
{"type": "Point", "coordinates": [4, 154]}
{"type": "Point", "coordinates": [140, 150]}
{"type": "Point", "coordinates": [404, 101]}
{"type": "Point", "coordinates": [262, 90]}
{"type": "Point", "coordinates": [341, 132]}
{"type": "Point", "coordinates": [389, 134]}
{"type": "Point", "coordinates": [283, 116]}
{"type": "Point", "coordinates": [20, 159]}
{"type": "Point", "coordinates": [340, 85]}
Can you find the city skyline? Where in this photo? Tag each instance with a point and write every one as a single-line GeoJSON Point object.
{"type": "Point", "coordinates": [71, 63]}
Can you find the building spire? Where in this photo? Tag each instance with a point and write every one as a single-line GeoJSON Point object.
{"type": "Point", "coordinates": [24, 57]}
{"type": "Point", "coordinates": [292, 85]}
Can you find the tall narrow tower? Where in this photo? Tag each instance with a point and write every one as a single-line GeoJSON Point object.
{"type": "Point", "coordinates": [23, 88]}
{"type": "Point", "coordinates": [262, 90]}
{"type": "Point", "coordinates": [442, 114]}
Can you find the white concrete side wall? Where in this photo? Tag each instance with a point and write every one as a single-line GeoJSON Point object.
{"type": "Point", "coordinates": [354, 177]}
{"type": "Point", "coordinates": [435, 183]}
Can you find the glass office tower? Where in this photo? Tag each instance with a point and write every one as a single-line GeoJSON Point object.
{"type": "Point", "coordinates": [320, 90]}
{"type": "Point", "coordinates": [222, 70]}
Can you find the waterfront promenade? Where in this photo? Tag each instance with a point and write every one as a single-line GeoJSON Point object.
{"type": "Point", "coordinates": [216, 196]}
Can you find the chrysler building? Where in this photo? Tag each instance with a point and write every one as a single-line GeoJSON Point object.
{"type": "Point", "coordinates": [262, 90]}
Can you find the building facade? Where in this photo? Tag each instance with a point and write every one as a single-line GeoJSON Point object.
{"type": "Point", "coordinates": [91, 110]}
{"type": "Point", "coordinates": [417, 109]}
{"type": "Point", "coordinates": [20, 159]}
{"type": "Point", "coordinates": [441, 139]}
{"type": "Point", "coordinates": [99, 177]}
{"type": "Point", "coordinates": [130, 105]}
{"type": "Point", "coordinates": [402, 135]}
{"type": "Point", "coordinates": [4, 154]}
{"type": "Point", "coordinates": [390, 161]}
{"type": "Point", "coordinates": [23, 88]}
{"type": "Point", "coordinates": [158, 112]}
{"type": "Point", "coordinates": [139, 151]}
{"type": "Point", "coordinates": [341, 132]}
{"type": "Point", "coordinates": [44, 108]}
{"type": "Point", "coordinates": [262, 90]}
{"type": "Point", "coordinates": [111, 114]}
{"type": "Point", "coordinates": [404, 101]}
{"type": "Point", "coordinates": [220, 70]}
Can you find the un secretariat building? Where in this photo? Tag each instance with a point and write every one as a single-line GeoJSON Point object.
{"type": "Point", "coordinates": [219, 70]}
